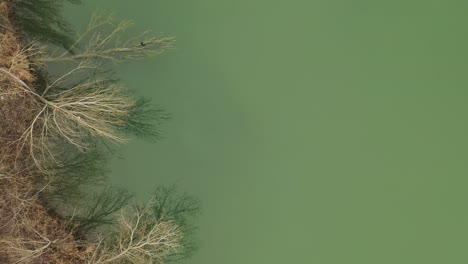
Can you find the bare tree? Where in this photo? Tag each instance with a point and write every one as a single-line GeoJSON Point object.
{"type": "Point", "coordinates": [94, 108]}
{"type": "Point", "coordinates": [95, 44]}
{"type": "Point", "coordinates": [83, 102]}
{"type": "Point", "coordinates": [183, 209]}
{"type": "Point", "coordinates": [140, 238]}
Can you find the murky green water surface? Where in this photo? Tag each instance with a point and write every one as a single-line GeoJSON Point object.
{"type": "Point", "coordinates": [312, 131]}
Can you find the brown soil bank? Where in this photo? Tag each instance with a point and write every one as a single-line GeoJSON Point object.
{"type": "Point", "coordinates": [28, 232]}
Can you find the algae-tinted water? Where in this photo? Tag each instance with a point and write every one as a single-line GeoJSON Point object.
{"type": "Point", "coordinates": [312, 131]}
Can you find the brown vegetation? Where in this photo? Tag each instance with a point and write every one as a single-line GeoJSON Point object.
{"type": "Point", "coordinates": [30, 232]}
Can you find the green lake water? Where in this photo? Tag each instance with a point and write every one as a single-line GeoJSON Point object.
{"type": "Point", "coordinates": [328, 132]}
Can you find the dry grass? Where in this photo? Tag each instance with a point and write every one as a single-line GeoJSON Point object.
{"type": "Point", "coordinates": [31, 233]}
{"type": "Point", "coordinates": [17, 108]}
{"type": "Point", "coordinates": [28, 232]}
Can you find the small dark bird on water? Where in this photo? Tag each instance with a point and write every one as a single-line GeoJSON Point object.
{"type": "Point", "coordinates": [142, 44]}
